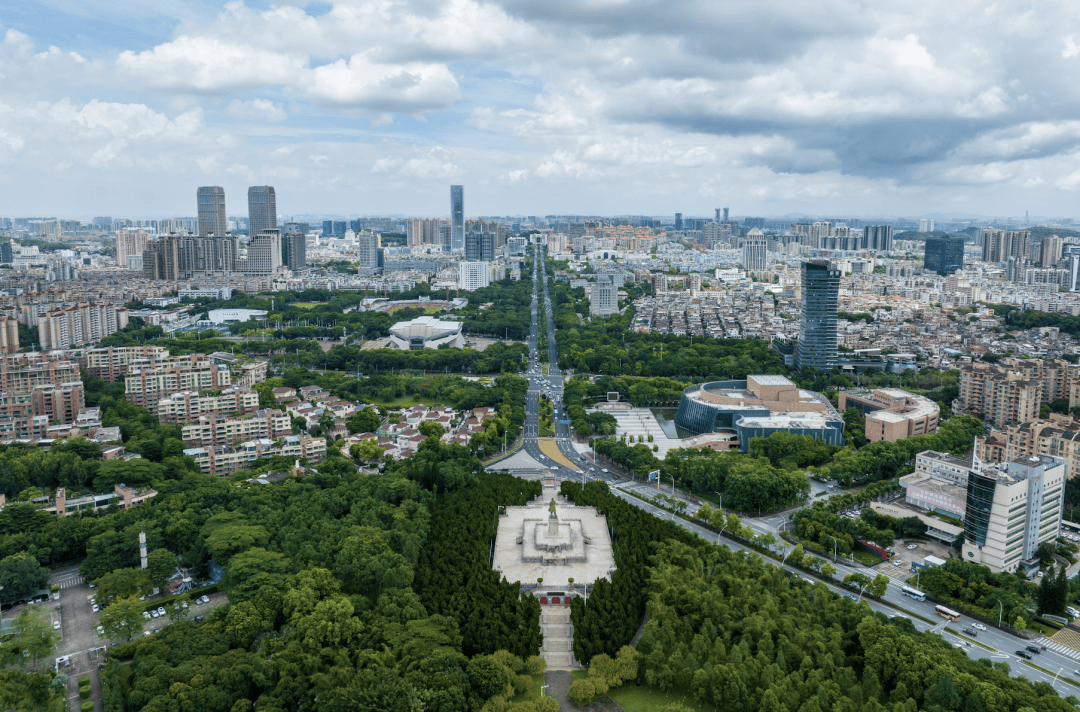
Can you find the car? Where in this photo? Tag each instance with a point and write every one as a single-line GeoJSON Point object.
{"type": "Point", "coordinates": [154, 613]}
{"type": "Point", "coordinates": [161, 610]}
{"type": "Point", "coordinates": [146, 632]}
{"type": "Point", "coordinates": [183, 604]}
{"type": "Point", "coordinates": [1072, 612]}
{"type": "Point", "coordinates": [206, 599]}
{"type": "Point", "coordinates": [100, 630]}
{"type": "Point", "coordinates": [978, 626]}
{"type": "Point", "coordinates": [897, 563]}
{"type": "Point", "coordinates": [94, 608]}
{"type": "Point", "coordinates": [851, 596]}
{"type": "Point", "coordinates": [93, 585]}
{"type": "Point", "coordinates": [969, 631]}
{"type": "Point", "coordinates": [912, 546]}
{"type": "Point", "coordinates": [1033, 649]}
{"type": "Point", "coordinates": [1022, 654]}
{"type": "Point", "coordinates": [146, 615]}
{"type": "Point", "coordinates": [198, 619]}
{"type": "Point", "coordinates": [56, 625]}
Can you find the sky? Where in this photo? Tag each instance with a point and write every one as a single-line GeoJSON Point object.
{"type": "Point", "coordinates": [606, 107]}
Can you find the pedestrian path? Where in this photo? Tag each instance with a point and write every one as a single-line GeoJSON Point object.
{"type": "Point", "coordinates": [68, 583]}
{"type": "Point", "coordinates": [558, 647]}
{"type": "Point", "coordinates": [1060, 647]}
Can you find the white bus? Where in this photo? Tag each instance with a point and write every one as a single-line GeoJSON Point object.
{"type": "Point", "coordinates": [914, 593]}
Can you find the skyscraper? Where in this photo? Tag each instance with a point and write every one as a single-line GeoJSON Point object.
{"type": "Point", "coordinates": [1051, 250]}
{"type": "Point", "coordinates": [294, 249]}
{"type": "Point", "coordinates": [754, 251]}
{"type": "Point", "coordinates": [457, 218]}
{"type": "Point", "coordinates": [262, 209]}
{"type": "Point", "coordinates": [211, 201]}
{"type": "Point", "coordinates": [479, 245]}
{"type": "Point", "coordinates": [1000, 245]}
{"type": "Point", "coordinates": [367, 250]}
{"type": "Point", "coordinates": [877, 237]}
{"type": "Point", "coordinates": [678, 221]}
{"type": "Point", "coordinates": [263, 254]}
{"type": "Point", "coordinates": [817, 325]}
{"type": "Point", "coordinates": [944, 255]}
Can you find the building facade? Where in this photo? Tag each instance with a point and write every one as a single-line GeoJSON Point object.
{"type": "Point", "coordinates": [755, 252]}
{"type": "Point", "coordinates": [211, 205]}
{"type": "Point", "coordinates": [457, 218]}
{"type": "Point", "coordinates": [228, 429]}
{"type": "Point", "coordinates": [944, 255]}
{"type": "Point", "coordinates": [816, 346]}
{"type": "Point", "coordinates": [146, 387]}
{"type": "Point", "coordinates": [262, 209]}
{"type": "Point", "coordinates": [79, 324]}
{"type": "Point", "coordinates": [1011, 509]}
{"type": "Point", "coordinates": [225, 459]}
{"type": "Point", "coordinates": [877, 237]}
{"type": "Point", "coordinates": [892, 414]}
{"type": "Point", "coordinates": [473, 275]}
{"type": "Point", "coordinates": [603, 297]}
{"type": "Point", "coordinates": [189, 406]}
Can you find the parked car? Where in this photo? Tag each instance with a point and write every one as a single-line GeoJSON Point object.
{"type": "Point", "coordinates": [978, 626]}
{"type": "Point", "coordinates": [161, 610]}
{"type": "Point", "coordinates": [100, 630]}
{"type": "Point", "coordinates": [154, 614]}
{"type": "Point", "coordinates": [206, 599]}
{"type": "Point", "coordinates": [1022, 654]}
{"type": "Point", "coordinates": [146, 615]}
{"type": "Point", "coordinates": [94, 607]}
{"type": "Point", "coordinates": [912, 546]}
{"type": "Point", "coordinates": [1072, 612]}
{"type": "Point", "coordinates": [56, 625]}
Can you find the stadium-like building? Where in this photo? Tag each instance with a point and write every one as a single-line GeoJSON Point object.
{"type": "Point", "coordinates": [759, 407]}
{"type": "Point", "coordinates": [426, 332]}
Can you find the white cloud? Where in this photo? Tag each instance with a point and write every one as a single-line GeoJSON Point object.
{"type": "Point", "coordinates": [257, 108]}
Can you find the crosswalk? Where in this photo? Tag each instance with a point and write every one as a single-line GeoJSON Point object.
{"type": "Point", "coordinates": [68, 583]}
{"type": "Point", "coordinates": [1058, 648]}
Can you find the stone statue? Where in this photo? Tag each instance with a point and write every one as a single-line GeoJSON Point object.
{"type": "Point", "coordinates": [551, 509]}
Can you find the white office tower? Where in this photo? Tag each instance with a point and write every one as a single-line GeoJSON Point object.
{"type": "Point", "coordinates": [1012, 508]}
{"type": "Point", "coordinates": [755, 252]}
{"type": "Point", "coordinates": [473, 275]}
{"type": "Point", "coordinates": [367, 250]}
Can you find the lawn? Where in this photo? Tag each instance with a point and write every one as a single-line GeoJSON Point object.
{"type": "Point", "coordinates": [403, 402]}
{"type": "Point", "coordinates": [538, 682]}
{"type": "Point", "coordinates": [643, 699]}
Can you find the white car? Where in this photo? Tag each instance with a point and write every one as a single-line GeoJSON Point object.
{"type": "Point", "coordinates": [978, 626]}
{"type": "Point", "coordinates": [146, 615]}
{"type": "Point", "coordinates": [154, 614]}
{"type": "Point", "coordinates": [161, 610]}
{"type": "Point", "coordinates": [206, 599]}
{"type": "Point", "coordinates": [1072, 612]}
{"type": "Point", "coordinates": [56, 625]}
{"type": "Point", "coordinates": [94, 608]}
{"type": "Point", "coordinates": [912, 546]}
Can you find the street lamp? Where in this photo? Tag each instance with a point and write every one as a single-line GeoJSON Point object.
{"type": "Point", "coordinates": [833, 547]}
{"type": "Point", "coordinates": [720, 500]}
{"type": "Point", "coordinates": [1001, 610]}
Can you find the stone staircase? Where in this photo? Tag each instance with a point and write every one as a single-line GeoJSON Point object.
{"type": "Point", "coordinates": [558, 648]}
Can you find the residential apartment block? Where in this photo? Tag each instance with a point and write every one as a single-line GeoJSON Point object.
{"type": "Point", "coordinates": [1012, 508]}
{"type": "Point", "coordinates": [892, 414]}
{"type": "Point", "coordinates": [147, 387]}
{"type": "Point", "coordinates": [188, 406]}
{"type": "Point", "coordinates": [1059, 435]}
{"type": "Point", "coordinates": [74, 325]}
{"type": "Point", "coordinates": [228, 430]}
{"type": "Point", "coordinates": [111, 363]}
{"type": "Point", "coordinates": [224, 460]}
{"type": "Point", "coordinates": [998, 394]}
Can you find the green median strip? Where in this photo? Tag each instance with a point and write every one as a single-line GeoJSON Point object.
{"type": "Point", "coordinates": [1051, 672]}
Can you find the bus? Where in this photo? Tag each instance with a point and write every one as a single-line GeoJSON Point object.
{"type": "Point", "coordinates": [914, 593]}
{"type": "Point", "coordinates": [947, 613]}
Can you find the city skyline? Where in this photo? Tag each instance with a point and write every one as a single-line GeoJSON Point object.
{"type": "Point", "coordinates": [560, 108]}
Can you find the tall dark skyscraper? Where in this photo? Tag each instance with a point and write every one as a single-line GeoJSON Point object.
{"type": "Point", "coordinates": [877, 237]}
{"type": "Point", "coordinates": [479, 246]}
{"type": "Point", "coordinates": [944, 255]}
{"type": "Point", "coordinates": [262, 209]}
{"type": "Point", "coordinates": [211, 199]}
{"type": "Point", "coordinates": [457, 217]}
{"type": "Point", "coordinates": [294, 250]}
{"type": "Point", "coordinates": [817, 325]}
{"type": "Point", "coordinates": [678, 221]}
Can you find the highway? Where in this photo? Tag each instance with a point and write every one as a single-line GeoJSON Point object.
{"type": "Point", "coordinates": [1004, 644]}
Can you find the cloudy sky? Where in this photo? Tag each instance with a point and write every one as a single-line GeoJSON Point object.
{"type": "Point", "coordinates": [825, 107]}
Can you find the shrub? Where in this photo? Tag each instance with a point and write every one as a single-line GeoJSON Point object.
{"type": "Point", "coordinates": [84, 692]}
{"type": "Point", "coordinates": [87, 706]}
{"type": "Point", "coordinates": [582, 692]}
{"type": "Point", "coordinates": [84, 680]}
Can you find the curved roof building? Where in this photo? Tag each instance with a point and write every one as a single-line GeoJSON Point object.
{"type": "Point", "coordinates": [759, 407]}
{"type": "Point", "coordinates": [426, 332]}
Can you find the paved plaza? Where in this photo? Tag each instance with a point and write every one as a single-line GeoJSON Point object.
{"type": "Point", "coordinates": [641, 421]}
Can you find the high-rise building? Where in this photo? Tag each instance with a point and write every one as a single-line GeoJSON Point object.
{"type": "Point", "coordinates": [1000, 245]}
{"type": "Point", "coordinates": [130, 242]}
{"type": "Point", "coordinates": [212, 219]}
{"type": "Point", "coordinates": [262, 209]}
{"type": "Point", "coordinates": [294, 250]}
{"type": "Point", "coordinates": [473, 275]}
{"type": "Point", "coordinates": [755, 251]}
{"type": "Point", "coordinates": [1051, 250]}
{"type": "Point", "coordinates": [816, 346]}
{"type": "Point", "coordinates": [603, 297]}
{"type": "Point", "coordinates": [944, 255]}
{"type": "Point", "coordinates": [103, 222]}
{"type": "Point", "coordinates": [678, 221]}
{"type": "Point", "coordinates": [7, 254]}
{"type": "Point", "coordinates": [877, 237]}
{"type": "Point", "coordinates": [1012, 508]}
{"type": "Point", "coordinates": [424, 231]}
{"type": "Point", "coordinates": [479, 246]}
{"type": "Point", "coordinates": [297, 228]}
{"type": "Point", "coordinates": [457, 218]}
{"type": "Point", "coordinates": [367, 251]}
{"type": "Point", "coordinates": [263, 254]}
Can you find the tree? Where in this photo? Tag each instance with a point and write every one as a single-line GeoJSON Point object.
{"type": "Point", "coordinates": [582, 692]}
{"type": "Point", "coordinates": [21, 575]}
{"type": "Point", "coordinates": [364, 421]}
{"type": "Point", "coordinates": [176, 611]}
{"type": "Point", "coordinates": [36, 639]}
{"type": "Point", "coordinates": [880, 585]}
{"type": "Point", "coordinates": [828, 570]}
{"type": "Point", "coordinates": [488, 676]}
{"type": "Point", "coordinates": [797, 555]}
{"type": "Point", "coordinates": [123, 618]}
{"type": "Point", "coordinates": [366, 450]}
{"type": "Point", "coordinates": [161, 563]}
{"type": "Point", "coordinates": [123, 583]}
{"type": "Point", "coordinates": [250, 570]}
{"type": "Point", "coordinates": [431, 429]}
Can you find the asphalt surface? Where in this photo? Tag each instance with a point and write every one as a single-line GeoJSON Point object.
{"type": "Point", "coordinates": [1003, 644]}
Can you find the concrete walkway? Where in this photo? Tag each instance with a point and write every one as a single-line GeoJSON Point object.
{"type": "Point", "coordinates": [558, 647]}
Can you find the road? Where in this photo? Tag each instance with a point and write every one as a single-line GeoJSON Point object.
{"type": "Point", "coordinates": [1003, 644]}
